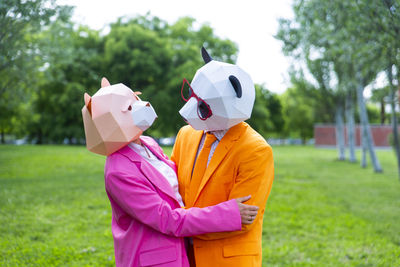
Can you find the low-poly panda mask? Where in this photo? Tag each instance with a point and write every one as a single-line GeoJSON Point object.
{"type": "Point", "coordinates": [113, 117]}
{"type": "Point", "coordinates": [220, 96]}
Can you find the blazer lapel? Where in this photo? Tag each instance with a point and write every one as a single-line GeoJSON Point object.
{"type": "Point", "coordinates": [151, 173]}
{"type": "Point", "coordinates": [221, 151]}
{"type": "Point", "coordinates": [156, 152]}
{"type": "Point", "coordinates": [189, 161]}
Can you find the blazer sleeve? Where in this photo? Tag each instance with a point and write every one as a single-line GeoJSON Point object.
{"type": "Point", "coordinates": [137, 197]}
{"type": "Point", "coordinates": [256, 173]}
{"type": "Point", "coordinates": [176, 149]}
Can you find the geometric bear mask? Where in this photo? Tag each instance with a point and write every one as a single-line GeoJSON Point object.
{"type": "Point", "coordinates": [113, 117]}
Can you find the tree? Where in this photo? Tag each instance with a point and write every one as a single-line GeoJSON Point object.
{"type": "Point", "coordinates": [302, 40]}
{"type": "Point", "coordinates": [330, 30]}
{"type": "Point", "coordinates": [72, 66]}
{"type": "Point", "coordinates": [19, 21]}
{"type": "Point", "coordinates": [388, 24]}
{"type": "Point", "coordinates": [378, 96]}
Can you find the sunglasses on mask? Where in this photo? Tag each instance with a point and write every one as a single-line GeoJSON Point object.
{"type": "Point", "coordinates": [203, 109]}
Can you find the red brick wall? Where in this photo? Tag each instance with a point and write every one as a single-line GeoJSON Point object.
{"type": "Point", "coordinates": [325, 135]}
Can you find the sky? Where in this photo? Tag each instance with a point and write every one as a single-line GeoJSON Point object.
{"type": "Point", "coordinates": [250, 24]}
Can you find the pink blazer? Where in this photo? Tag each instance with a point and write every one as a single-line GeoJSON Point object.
{"type": "Point", "coordinates": [147, 221]}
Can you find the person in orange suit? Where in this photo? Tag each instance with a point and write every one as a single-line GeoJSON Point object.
{"type": "Point", "coordinates": [220, 157]}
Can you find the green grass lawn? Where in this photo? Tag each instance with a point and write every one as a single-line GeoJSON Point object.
{"type": "Point", "coordinates": [321, 212]}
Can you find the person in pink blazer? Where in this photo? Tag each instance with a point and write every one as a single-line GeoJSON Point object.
{"type": "Point", "coordinates": [148, 220]}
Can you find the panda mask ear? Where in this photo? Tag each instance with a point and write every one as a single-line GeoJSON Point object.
{"type": "Point", "coordinates": [236, 85]}
{"type": "Point", "coordinates": [206, 57]}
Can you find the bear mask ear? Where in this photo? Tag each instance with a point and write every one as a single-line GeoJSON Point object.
{"type": "Point", "coordinates": [88, 103]}
{"type": "Point", "coordinates": [236, 85]}
{"type": "Point", "coordinates": [205, 55]}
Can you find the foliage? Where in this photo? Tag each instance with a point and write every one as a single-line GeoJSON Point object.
{"type": "Point", "coordinates": [308, 39]}
{"type": "Point", "coordinates": [391, 140]}
{"type": "Point", "coordinates": [19, 22]}
{"type": "Point", "coordinates": [380, 95]}
{"type": "Point", "coordinates": [267, 115]}
{"type": "Point", "coordinates": [373, 114]}
{"type": "Point", "coordinates": [55, 212]}
{"type": "Point", "coordinates": [298, 114]}
{"type": "Point", "coordinates": [332, 37]}
{"type": "Point", "coordinates": [72, 67]}
{"type": "Point", "coordinates": [303, 106]}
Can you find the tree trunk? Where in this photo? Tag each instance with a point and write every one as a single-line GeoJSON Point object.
{"type": "Point", "coordinates": [383, 114]}
{"type": "Point", "coordinates": [364, 147]}
{"type": "Point", "coordinates": [365, 124]}
{"type": "Point", "coordinates": [3, 140]}
{"type": "Point", "coordinates": [350, 127]}
{"type": "Point", "coordinates": [394, 118]}
{"type": "Point", "coordinates": [340, 133]}
{"type": "Point", "coordinates": [39, 140]}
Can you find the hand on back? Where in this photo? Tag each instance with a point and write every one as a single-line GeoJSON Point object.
{"type": "Point", "coordinates": [247, 212]}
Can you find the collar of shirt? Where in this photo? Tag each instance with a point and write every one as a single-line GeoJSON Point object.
{"type": "Point", "coordinates": [144, 152]}
{"type": "Point", "coordinates": [218, 134]}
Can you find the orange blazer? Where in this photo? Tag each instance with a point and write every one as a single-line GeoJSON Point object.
{"type": "Point", "coordinates": [241, 165]}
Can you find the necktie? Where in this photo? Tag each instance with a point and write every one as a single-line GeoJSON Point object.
{"type": "Point", "coordinates": [200, 168]}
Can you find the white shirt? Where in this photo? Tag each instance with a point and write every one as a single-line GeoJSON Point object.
{"type": "Point", "coordinates": [167, 172]}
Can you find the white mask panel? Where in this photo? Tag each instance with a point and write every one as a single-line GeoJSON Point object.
{"type": "Point", "coordinates": [143, 114]}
